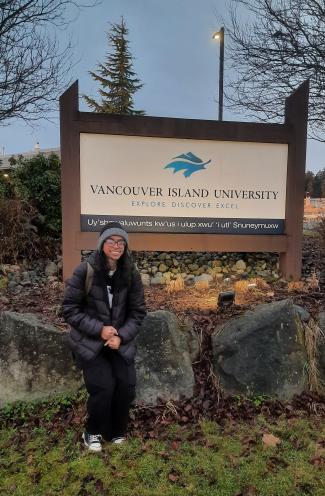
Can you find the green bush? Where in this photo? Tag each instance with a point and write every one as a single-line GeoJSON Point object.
{"type": "Point", "coordinates": [6, 186]}
{"type": "Point", "coordinates": [37, 180]}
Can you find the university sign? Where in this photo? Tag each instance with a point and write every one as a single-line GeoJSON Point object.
{"type": "Point", "coordinates": [184, 185]}
{"type": "Point", "coordinates": [135, 181]}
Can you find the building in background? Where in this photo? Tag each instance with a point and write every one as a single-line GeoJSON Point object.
{"type": "Point", "coordinates": [7, 162]}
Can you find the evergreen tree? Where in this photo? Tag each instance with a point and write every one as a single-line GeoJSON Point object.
{"type": "Point", "coordinates": [116, 77]}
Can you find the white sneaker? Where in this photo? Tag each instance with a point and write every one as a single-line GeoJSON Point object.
{"type": "Point", "coordinates": [118, 440]}
{"type": "Point", "coordinates": [92, 441]}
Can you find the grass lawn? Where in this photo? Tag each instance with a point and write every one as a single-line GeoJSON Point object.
{"type": "Point", "coordinates": [204, 459]}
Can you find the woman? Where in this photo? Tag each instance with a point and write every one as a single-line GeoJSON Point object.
{"type": "Point", "coordinates": [104, 304]}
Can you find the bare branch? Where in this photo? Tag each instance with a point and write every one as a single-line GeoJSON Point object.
{"type": "Point", "coordinates": [33, 68]}
{"type": "Point", "coordinates": [281, 44]}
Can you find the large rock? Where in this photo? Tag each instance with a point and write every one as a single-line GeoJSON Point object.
{"type": "Point", "coordinates": [36, 363]}
{"type": "Point", "coordinates": [163, 361]}
{"type": "Point", "coordinates": [34, 360]}
{"type": "Point", "coordinates": [262, 352]}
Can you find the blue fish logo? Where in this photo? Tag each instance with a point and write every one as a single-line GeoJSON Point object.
{"type": "Point", "coordinates": [188, 162]}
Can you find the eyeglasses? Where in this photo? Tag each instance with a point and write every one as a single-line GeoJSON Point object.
{"type": "Point", "coordinates": [120, 243]}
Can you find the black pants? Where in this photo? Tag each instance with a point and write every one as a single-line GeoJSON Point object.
{"type": "Point", "coordinates": [110, 383]}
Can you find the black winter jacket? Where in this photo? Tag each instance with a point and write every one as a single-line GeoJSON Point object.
{"type": "Point", "coordinates": [87, 314]}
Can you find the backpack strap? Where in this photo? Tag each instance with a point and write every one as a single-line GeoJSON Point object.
{"type": "Point", "coordinates": [89, 277]}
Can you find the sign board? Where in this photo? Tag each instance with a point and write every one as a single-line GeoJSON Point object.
{"type": "Point", "coordinates": [177, 186]}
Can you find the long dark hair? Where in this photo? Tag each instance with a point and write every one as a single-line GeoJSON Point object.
{"type": "Point", "coordinates": [125, 264]}
{"type": "Point", "coordinates": [125, 267]}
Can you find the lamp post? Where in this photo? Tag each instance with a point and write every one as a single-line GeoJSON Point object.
{"type": "Point", "coordinates": [220, 35]}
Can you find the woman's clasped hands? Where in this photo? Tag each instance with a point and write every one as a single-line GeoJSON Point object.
{"type": "Point", "coordinates": [110, 335]}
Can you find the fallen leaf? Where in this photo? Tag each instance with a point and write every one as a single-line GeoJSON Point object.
{"type": "Point", "coordinates": [317, 461]}
{"type": "Point", "coordinates": [173, 477]}
{"type": "Point", "coordinates": [175, 445]}
{"type": "Point", "coordinates": [270, 440]}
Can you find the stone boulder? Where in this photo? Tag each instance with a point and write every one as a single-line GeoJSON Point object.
{"type": "Point", "coordinates": [35, 361]}
{"type": "Point", "coordinates": [163, 362]}
{"type": "Point", "coordinates": [262, 352]}
{"type": "Point", "coordinates": [145, 279]}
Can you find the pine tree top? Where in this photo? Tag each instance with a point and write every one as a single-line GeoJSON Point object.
{"type": "Point", "coordinates": [117, 79]}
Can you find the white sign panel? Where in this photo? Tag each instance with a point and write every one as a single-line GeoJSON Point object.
{"type": "Point", "coordinates": [182, 185]}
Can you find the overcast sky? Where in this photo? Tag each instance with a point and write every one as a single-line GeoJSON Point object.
{"type": "Point", "coordinates": [175, 57]}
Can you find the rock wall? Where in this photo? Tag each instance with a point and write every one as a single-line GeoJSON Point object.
{"type": "Point", "coordinates": [159, 268]}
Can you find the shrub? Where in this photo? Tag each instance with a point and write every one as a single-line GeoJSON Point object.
{"type": "Point", "coordinates": [37, 180]}
{"type": "Point", "coordinates": [6, 187]}
{"type": "Point", "coordinates": [18, 234]}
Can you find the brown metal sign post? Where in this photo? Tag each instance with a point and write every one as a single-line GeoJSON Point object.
{"type": "Point", "coordinates": [292, 133]}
